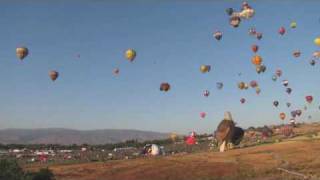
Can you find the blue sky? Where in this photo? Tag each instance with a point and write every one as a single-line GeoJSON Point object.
{"type": "Point", "coordinates": [172, 40]}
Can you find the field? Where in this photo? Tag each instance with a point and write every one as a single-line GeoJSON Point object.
{"type": "Point", "coordinates": [296, 158]}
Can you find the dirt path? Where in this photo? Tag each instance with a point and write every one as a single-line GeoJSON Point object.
{"type": "Point", "coordinates": [259, 162]}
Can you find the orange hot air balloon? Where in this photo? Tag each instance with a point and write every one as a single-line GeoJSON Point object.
{"type": "Point", "coordinates": [282, 116]}
{"type": "Point", "coordinates": [256, 60]}
{"type": "Point", "coordinates": [254, 48]}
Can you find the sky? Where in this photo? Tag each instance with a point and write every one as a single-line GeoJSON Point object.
{"type": "Point", "coordinates": [172, 40]}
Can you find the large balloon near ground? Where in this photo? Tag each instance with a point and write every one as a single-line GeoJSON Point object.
{"type": "Point", "coordinates": [53, 75]}
{"type": "Point", "coordinates": [130, 54]}
{"type": "Point", "coordinates": [22, 52]}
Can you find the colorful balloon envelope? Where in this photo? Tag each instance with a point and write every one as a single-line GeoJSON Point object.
{"type": "Point", "coordinates": [219, 85]}
{"type": "Point", "coordinates": [258, 90]}
{"type": "Point", "coordinates": [241, 85]}
{"type": "Point", "coordinates": [261, 68]}
{"type": "Point", "coordinates": [217, 35]}
{"type": "Point", "coordinates": [317, 41]}
{"type": "Point", "coordinates": [298, 112]}
{"type": "Point", "coordinates": [259, 35]}
{"type": "Point", "coordinates": [234, 21]}
{"type": "Point", "coordinates": [205, 68]}
{"type": "Point", "coordinates": [296, 54]}
{"type": "Point", "coordinates": [22, 52]}
{"type": "Point", "coordinates": [229, 11]}
{"type": "Point", "coordinates": [312, 62]}
{"type": "Point", "coordinates": [164, 87]}
{"type": "Point", "coordinates": [116, 71]}
{"type": "Point", "coordinates": [293, 25]}
{"type": "Point", "coordinates": [282, 116]}
{"type": "Point", "coordinates": [53, 75]}
{"type": "Point", "coordinates": [254, 48]}
{"type": "Point", "coordinates": [242, 100]}
{"type": "Point", "coordinates": [289, 90]}
{"type": "Point", "coordinates": [285, 83]}
{"type": "Point", "coordinates": [282, 30]}
{"type": "Point", "coordinates": [130, 54]}
{"type": "Point", "coordinates": [253, 84]}
{"type": "Point", "coordinates": [309, 99]}
{"type": "Point", "coordinates": [278, 72]}
{"type": "Point", "coordinates": [256, 60]}
{"type": "Point", "coordinates": [203, 115]}
{"type": "Point", "coordinates": [288, 104]}
{"type": "Point", "coordinates": [274, 78]}
{"type": "Point", "coordinates": [206, 93]}
{"type": "Point", "coordinates": [252, 31]}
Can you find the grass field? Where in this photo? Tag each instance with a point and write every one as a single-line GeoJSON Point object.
{"type": "Point", "coordinates": [300, 156]}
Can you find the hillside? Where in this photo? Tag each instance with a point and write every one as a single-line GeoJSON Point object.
{"type": "Point", "coordinates": [69, 136]}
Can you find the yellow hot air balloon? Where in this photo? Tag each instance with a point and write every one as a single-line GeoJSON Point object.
{"type": "Point", "coordinates": [131, 54]}
{"type": "Point", "coordinates": [293, 24]}
{"type": "Point", "coordinates": [22, 52]}
{"type": "Point", "coordinates": [317, 41]}
{"type": "Point", "coordinates": [205, 68]}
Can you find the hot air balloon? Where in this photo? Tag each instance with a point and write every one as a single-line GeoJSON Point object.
{"type": "Point", "coordinates": [299, 112]}
{"type": "Point", "coordinates": [241, 85]}
{"type": "Point", "coordinates": [253, 84]}
{"type": "Point", "coordinates": [296, 53]}
{"type": "Point", "coordinates": [254, 48]}
{"type": "Point", "coordinates": [293, 24]}
{"type": "Point", "coordinates": [312, 62]}
{"type": "Point", "coordinates": [289, 90]}
{"type": "Point", "coordinates": [259, 35]}
{"type": "Point", "coordinates": [130, 54]}
{"type": "Point", "coordinates": [274, 78]}
{"type": "Point", "coordinates": [205, 68]}
{"type": "Point", "coordinates": [234, 21]}
{"type": "Point", "coordinates": [206, 93]}
{"type": "Point", "coordinates": [316, 54]}
{"type": "Point", "coordinates": [282, 116]}
{"type": "Point", "coordinates": [217, 35]}
{"type": "Point", "coordinates": [256, 60]}
{"type": "Point", "coordinates": [116, 71]}
{"type": "Point", "coordinates": [261, 68]}
{"type": "Point", "coordinates": [276, 103]}
{"type": "Point", "coordinates": [278, 72]}
{"type": "Point", "coordinates": [242, 100]}
{"type": "Point", "coordinates": [203, 115]}
{"type": "Point", "coordinates": [246, 86]}
{"type": "Point", "coordinates": [247, 13]}
{"type": "Point", "coordinates": [252, 31]}
{"type": "Point", "coordinates": [53, 75]}
{"type": "Point", "coordinates": [309, 99]}
{"type": "Point", "coordinates": [22, 52]}
{"type": "Point", "coordinates": [229, 11]}
{"type": "Point", "coordinates": [288, 104]}
{"type": "Point", "coordinates": [285, 83]}
{"type": "Point", "coordinates": [173, 137]}
{"type": "Point", "coordinates": [224, 131]}
{"type": "Point", "coordinates": [293, 114]}
{"type": "Point", "coordinates": [282, 30]}
{"type": "Point", "coordinates": [164, 86]}
{"type": "Point", "coordinates": [258, 90]}
{"type": "Point", "coordinates": [219, 85]}
{"type": "Point", "coordinates": [317, 41]}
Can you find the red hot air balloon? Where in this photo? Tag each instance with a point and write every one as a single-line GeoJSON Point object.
{"type": "Point", "coordinates": [309, 99]}
{"type": "Point", "coordinates": [254, 48]}
{"type": "Point", "coordinates": [282, 31]}
{"type": "Point", "coordinates": [206, 93]}
{"type": "Point", "coordinates": [203, 115]}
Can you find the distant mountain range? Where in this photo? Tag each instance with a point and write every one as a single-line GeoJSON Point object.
{"type": "Point", "coordinates": [70, 136]}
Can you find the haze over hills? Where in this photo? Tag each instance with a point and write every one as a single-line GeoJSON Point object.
{"type": "Point", "coordinates": [71, 136]}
